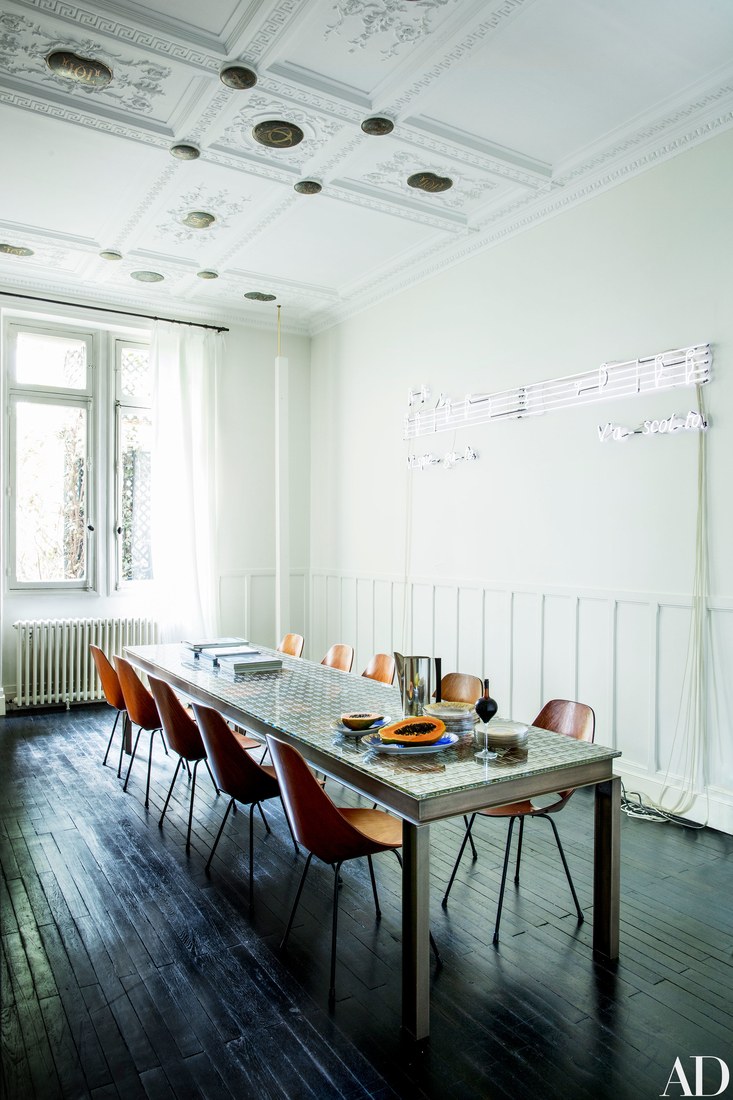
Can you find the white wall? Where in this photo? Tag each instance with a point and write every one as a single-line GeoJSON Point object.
{"type": "Point", "coordinates": [555, 565]}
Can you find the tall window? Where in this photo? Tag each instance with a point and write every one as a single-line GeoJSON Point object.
{"type": "Point", "coordinates": [69, 391]}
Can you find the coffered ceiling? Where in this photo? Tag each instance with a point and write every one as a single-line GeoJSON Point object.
{"type": "Point", "coordinates": [525, 106]}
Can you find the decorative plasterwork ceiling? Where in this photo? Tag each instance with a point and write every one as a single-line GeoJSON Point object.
{"type": "Point", "coordinates": [505, 112]}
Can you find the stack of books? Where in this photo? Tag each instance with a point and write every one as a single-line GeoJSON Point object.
{"type": "Point", "coordinates": [234, 664]}
{"type": "Point", "coordinates": [215, 643]}
{"type": "Point", "coordinates": [232, 656]}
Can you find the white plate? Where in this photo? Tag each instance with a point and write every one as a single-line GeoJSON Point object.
{"type": "Point", "coordinates": [338, 725]}
{"type": "Point", "coordinates": [374, 741]}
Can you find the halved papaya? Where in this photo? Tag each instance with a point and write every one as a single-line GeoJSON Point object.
{"type": "Point", "coordinates": [414, 731]}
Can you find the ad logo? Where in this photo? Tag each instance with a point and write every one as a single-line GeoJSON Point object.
{"type": "Point", "coordinates": [680, 1083]}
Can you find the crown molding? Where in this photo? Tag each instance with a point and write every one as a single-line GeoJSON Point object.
{"type": "Point", "coordinates": [525, 212]}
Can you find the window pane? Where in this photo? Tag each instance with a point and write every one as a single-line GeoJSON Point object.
{"type": "Point", "coordinates": [51, 492]}
{"type": "Point", "coordinates": [136, 437]}
{"type": "Point", "coordinates": [136, 377]}
{"type": "Point", "coordinates": [59, 361]}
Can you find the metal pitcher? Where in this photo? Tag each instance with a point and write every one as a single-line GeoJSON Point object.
{"type": "Point", "coordinates": [418, 678]}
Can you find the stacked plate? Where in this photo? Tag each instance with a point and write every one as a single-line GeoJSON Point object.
{"type": "Point", "coordinates": [459, 718]}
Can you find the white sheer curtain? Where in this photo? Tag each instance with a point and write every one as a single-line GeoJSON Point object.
{"type": "Point", "coordinates": [185, 364]}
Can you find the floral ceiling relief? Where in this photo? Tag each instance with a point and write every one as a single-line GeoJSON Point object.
{"type": "Point", "coordinates": [318, 129]}
{"type": "Point", "coordinates": [393, 174]}
{"type": "Point", "coordinates": [399, 24]}
{"type": "Point", "coordinates": [200, 199]}
{"type": "Point", "coordinates": [25, 45]}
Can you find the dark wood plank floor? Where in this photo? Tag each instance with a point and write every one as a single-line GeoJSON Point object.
{"type": "Point", "coordinates": [128, 972]}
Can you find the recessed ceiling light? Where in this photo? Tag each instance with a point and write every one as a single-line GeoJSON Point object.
{"type": "Point", "coordinates": [199, 219]}
{"type": "Point", "coordinates": [82, 70]}
{"type": "Point", "coordinates": [238, 77]}
{"type": "Point", "coordinates": [207, 274]}
{"type": "Point", "coordinates": [147, 276]}
{"type": "Point", "coordinates": [428, 181]}
{"type": "Point", "coordinates": [15, 250]}
{"type": "Point", "coordinates": [258, 296]}
{"type": "Point", "coordinates": [276, 134]}
{"type": "Point", "coordinates": [110, 254]}
{"type": "Point", "coordinates": [377, 126]}
{"type": "Point", "coordinates": [307, 187]}
{"type": "Point", "coordinates": [183, 151]}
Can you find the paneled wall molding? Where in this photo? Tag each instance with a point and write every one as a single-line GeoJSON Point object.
{"type": "Point", "coordinates": [624, 652]}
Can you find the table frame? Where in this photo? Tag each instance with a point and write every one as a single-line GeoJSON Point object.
{"type": "Point", "coordinates": [417, 814]}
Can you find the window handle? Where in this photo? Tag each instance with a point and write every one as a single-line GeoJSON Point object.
{"type": "Point", "coordinates": [90, 527]}
{"type": "Point", "coordinates": [119, 530]}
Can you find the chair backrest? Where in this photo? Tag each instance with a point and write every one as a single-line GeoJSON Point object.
{"type": "Point", "coordinates": [237, 773]}
{"type": "Point", "coordinates": [315, 820]}
{"type": "Point", "coordinates": [139, 703]}
{"type": "Point", "coordinates": [339, 656]}
{"type": "Point", "coordinates": [110, 679]}
{"type": "Point", "coordinates": [381, 667]}
{"type": "Point", "coordinates": [576, 720]}
{"type": "Point", "coordinates": [460, 687]}
{"type": "Point", "coordinates": [180, 729]}
{"type": "Point", "coordinates": [291, 644]}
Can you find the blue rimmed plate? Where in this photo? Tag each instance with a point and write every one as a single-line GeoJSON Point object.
{"type": "Point", "coordinates": [338, 725]}
{"type": "Point", "coordinates": [374, 741]}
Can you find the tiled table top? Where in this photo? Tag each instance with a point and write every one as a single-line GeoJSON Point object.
{"type": "Point", "coordinates": [304, 698]}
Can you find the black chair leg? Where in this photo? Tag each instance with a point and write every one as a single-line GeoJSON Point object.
{"type": "Point", "coordinates": [374, 888]}
{"type": "Point", "coordinates": [264, 819]}
{"type": "Point", "coordinates": [190, 806]}
{"type": "Point", "coordinates": [503, 878]}
{"type": "Point", "coordinates": [474, 853]}
{"type": "Point", "coordinates": [578, 910]}
{"type": "Point", "coordinates": [165, 743]}
{"type": "Point", "coordinates": [132, 759]}
{"type": "Point", "coordinates": [252, 854]}
{"type": "Point", "coordinates": [150, 764]}
{"type": "Point", "coordinates": [334, 931]}
{"type": "Point", "coordinates": [109, 743]}
{"type": "Point", "coordinates": [188, 770]}
{"type": "Point", "coordinates": [125, 721]}
{"type": "Point", "coordinates": [284, 940]}
{"type": "Point", "coordinates": [462, 849]}
{"type": "Point", "coordinates": [218, 835]}
{"type": "Point", "coordinates": [218, 792]}
{"type": "Point", "coordinates": [519, 850]}
{"type": "Point", "coordinates": [290, 828]}
{"type": "Point", "coordinates": [170, 790]}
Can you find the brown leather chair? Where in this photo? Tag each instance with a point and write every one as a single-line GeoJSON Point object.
{"type": "Point", "coordinates": [460, 687]}
{"type": "Point", "coordinates": [113, 694]}
{"type": "Point", "coordinates": [184, 739]}
{"type": "Point", "coordinates": [339, 656]}
{"type": "Point", "coordinates": [291, 644]}
{"type": "Point", "coordinates": [381, 668]}
{"type": "Point", "coordinates": [237, 774]}
{"type": "Point", "coordinates": [562, 716]}
{"type": "Point", "coordinates": [330, 833]}
{"type": "Point", "coordinates": [142, 712]}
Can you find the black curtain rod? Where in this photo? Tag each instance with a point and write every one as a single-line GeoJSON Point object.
{"type": "Point", "coordinates": [104, 309]}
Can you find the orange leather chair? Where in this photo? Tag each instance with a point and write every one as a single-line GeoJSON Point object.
{"type": "Point", "coordinates": [381, 668]}
{"type": "Point", "coordinates": [339, 656]}
{"type": "Point", "coordinates": [291, 644]}
{"type": "Point", "coordinates": [142, 712]}
{"type": "Point", "coordinates": [113, 695]}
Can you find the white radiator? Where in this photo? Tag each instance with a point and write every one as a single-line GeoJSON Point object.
{"type": "Point", "coordinates": [54, 664]}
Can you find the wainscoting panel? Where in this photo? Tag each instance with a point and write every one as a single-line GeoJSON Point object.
{"type": "Point", "coordinates": [634, 701]}
{"type": "Point", "coordinates": [623, 653]}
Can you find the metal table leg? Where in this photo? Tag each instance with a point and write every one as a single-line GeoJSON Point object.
{"type": "Point", "coordinates": [416, 930]}
{"type": "Point", "coordinates": [607, 869]}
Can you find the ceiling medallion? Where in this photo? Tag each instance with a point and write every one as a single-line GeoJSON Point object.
{"type": "Point", "coordinates": [15, 250]}
{"type": "Point", "coordinates": [238, 77]}
{"type": "Point", "coordinates": [278, 135]}
{"type": "Point", "coordinates": [307, 187]}
{"type": "Point", "coordinates": [183, 151]}
{"type": "Point", "coordinates": [82, 70]}
{"type": "Point", "coordinates": [199, 219]}
{"type": "Point", "coordinates": [110, 254]}
{"type": "Point", "coordinates": [147, 276]}
{"type": "Point", "coordinates": [258, 296]}
{"type": "Point", "coordinates": [377, 126]}
{"type": "Point", "coordinates": [207, 274]}
{"type": "Point", "coordinates": [428, 181]}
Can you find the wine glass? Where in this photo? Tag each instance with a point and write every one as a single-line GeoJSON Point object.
{"type": "Point", "coordinates": [486, 753]}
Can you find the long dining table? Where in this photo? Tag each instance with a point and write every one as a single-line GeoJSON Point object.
{"type": "Point", "coordinates": [300, 704]}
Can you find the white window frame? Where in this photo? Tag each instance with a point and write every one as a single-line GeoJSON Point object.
{"type": "Point", "coordinates": [123, 403]}
{"type": "Point", "coordinates": [51, 395]}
